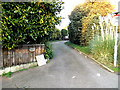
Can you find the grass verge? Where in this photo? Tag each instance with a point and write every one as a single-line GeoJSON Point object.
{"type": "Point", "coordinates": [87, 51]}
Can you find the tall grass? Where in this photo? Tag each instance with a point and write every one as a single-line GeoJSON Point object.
{"type": "Point", "coordinates": [118, 54]}
{"type": "Point", "coordinates": [103, 50]}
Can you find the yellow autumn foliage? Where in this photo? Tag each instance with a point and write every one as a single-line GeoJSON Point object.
{"type": "Point", "coordinates": [95, 9]}
{"type": "Point", "coordinates": [83, 16]}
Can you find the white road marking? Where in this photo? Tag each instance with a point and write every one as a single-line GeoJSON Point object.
{"type": "Point", "coordinates": [98, 74]}
{"type": "Point", "coordinates": [74, 77]}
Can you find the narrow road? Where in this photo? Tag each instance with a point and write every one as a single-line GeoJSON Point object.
{"type": "Point", "coordinates": [68, 69]}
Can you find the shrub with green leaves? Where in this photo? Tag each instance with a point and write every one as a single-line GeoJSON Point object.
{"type": "Point", "coordinates": [28, 22]}
{"type": "Point", "coordinates": [63, 33]}
{"type": "Point", "coordinates": [56, 34]}
{"type": "Point", "coordinates": [48, 51]}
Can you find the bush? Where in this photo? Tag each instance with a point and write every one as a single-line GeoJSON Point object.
{"type": "Point", "coordinates": [103, 50]}
{"type": "Point", "coordinates": [28, 22]}
{"type": "Point", "coordinates": [63, 33]}
{"type": "Point", "coordinates": [56, 34]}
{"type": "Point", "coordinates": [48, 51]}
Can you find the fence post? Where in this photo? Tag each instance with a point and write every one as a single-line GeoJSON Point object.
{"type": "Point", "coordinates": [115, 48]}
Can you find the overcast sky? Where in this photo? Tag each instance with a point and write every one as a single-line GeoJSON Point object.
{"type": "Point", "coordinates": [69, 6]}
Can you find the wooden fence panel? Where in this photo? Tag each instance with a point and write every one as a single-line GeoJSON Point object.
{"type": "Point", "coordinates": [22, 54]}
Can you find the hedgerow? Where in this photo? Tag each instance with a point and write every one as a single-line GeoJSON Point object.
{"type": "Point", "coordinates": [28, 22]}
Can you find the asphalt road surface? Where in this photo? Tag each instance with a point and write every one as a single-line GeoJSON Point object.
{"type": "Point", "coordinates": [68, 69]}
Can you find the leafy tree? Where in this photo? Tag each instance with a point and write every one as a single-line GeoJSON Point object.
{"type": "Point", "coordinates": [75, 27]}
{"type": "Point", "coordinates": [83, 17]}
{"type": "Point", "coordinates": [28, 22]}
{"type": "Point", "coordinates": [56, 35]}
{"type": "Point", "coordinates": [95, 10]}
{"type": "Point", "coordinates": [63, 33]}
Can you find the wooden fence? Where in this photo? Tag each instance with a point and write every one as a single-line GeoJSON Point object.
{"type": "Point", "coordinates": [1, 63]}
{"type": "Point", "coordinates": [21, 55]}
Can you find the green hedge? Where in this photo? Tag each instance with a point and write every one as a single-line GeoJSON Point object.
{"type": "Point", "coordinates": [28, 22]}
